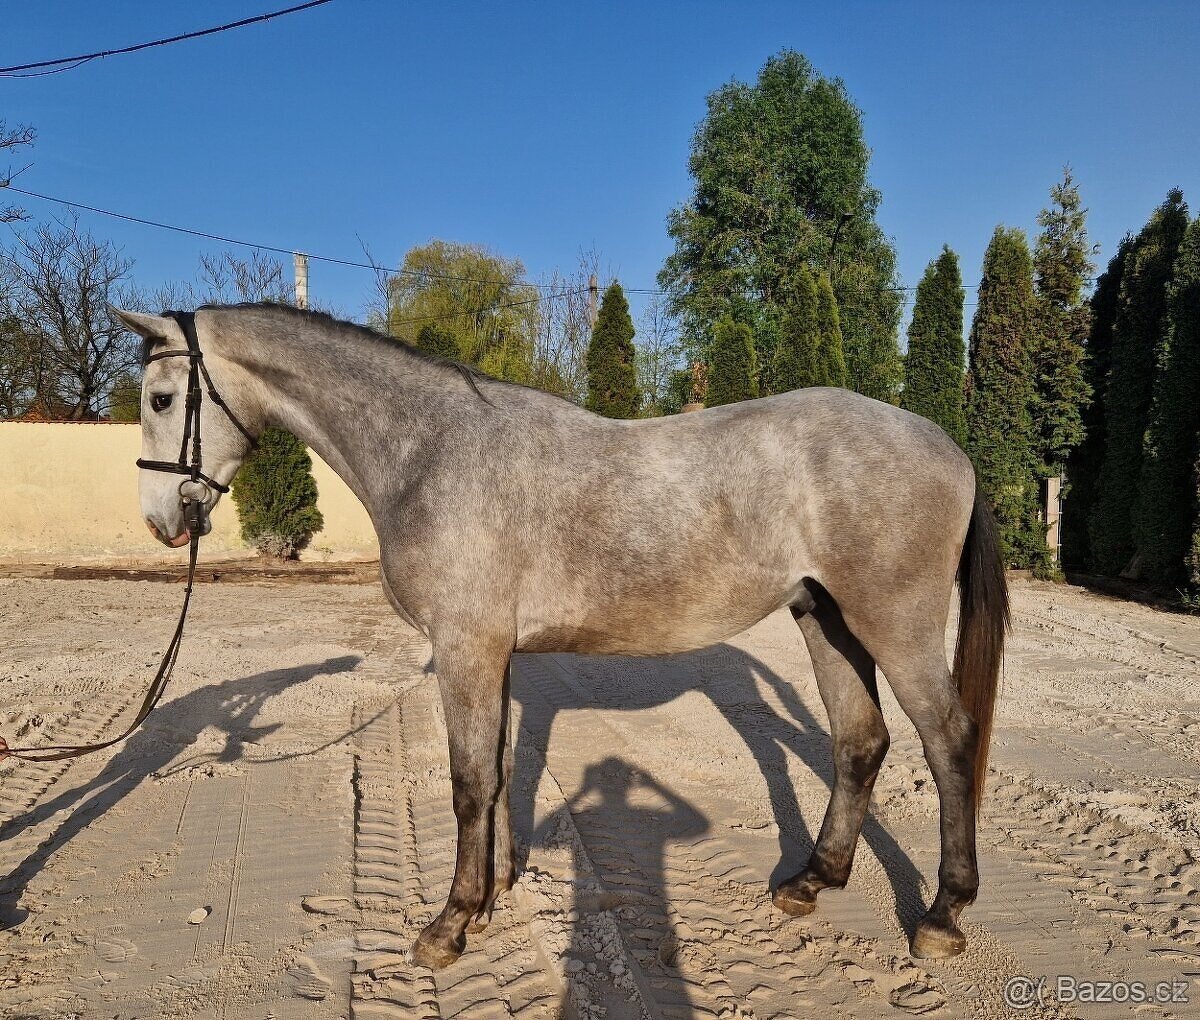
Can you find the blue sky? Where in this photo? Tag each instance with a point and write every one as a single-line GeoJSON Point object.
{"type": "Point", "coordinates": [542, 128]}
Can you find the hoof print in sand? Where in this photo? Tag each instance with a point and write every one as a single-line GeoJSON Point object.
{"type": "Point", "coordinates": [325, 904]}
{"type": "Point", "coordinates": [915, 997]}
{"type": "Point", "coordinates": [115, 949]}
{"type": "Point", "coordinates": [307, 981]}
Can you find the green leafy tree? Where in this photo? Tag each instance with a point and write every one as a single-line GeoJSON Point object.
{"type": "Point", "coordinates": [1140, 323]}
{"type": "Point", "coordinates": [276, 496]}
{"type": "Point", "coordinates": [611, 359]}
{"type": "Point", "coordinates": [125, 401]}
{"type": "Point", "coordinates": [1083, 465]}
{"type": "Point", "coordinates": [1165, 515]}
{"type": "Point", "coordinates": [478, 301]}
{"type": "Point", "coordinates": [831, 357]}
{"type": "Point", "coordinates": [28, 381]}
{"type": "Point", "coordinates": [733, 369]}
{"type": "Point", "coordinates": [1062, 267]}
{"type": "Point", "coordinates": [797, 360]}
{"type": "Point", "coordinates": [1000, 393]}
{"type": "Point", "coordinates": [933, 370]}
{"type": "Point", "coordinates": [437, 341]}
{"type": "Point", "coordinates": [777, 166]}
{"type": "Point", "coordinates": [679, 391]}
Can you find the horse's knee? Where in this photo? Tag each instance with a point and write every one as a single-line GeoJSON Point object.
{"type": "Point", "coordinates": [859, 757]}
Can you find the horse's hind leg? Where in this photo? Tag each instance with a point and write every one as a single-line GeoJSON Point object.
{"type": "Point", "coordinates": [471, 676]}
{"type": "Point", "coordinates": [915, 667]}
{"type": "Point", "coordinates": [846, 679]}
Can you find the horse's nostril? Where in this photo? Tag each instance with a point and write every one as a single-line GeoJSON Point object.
{"type": "Point", "coordinates": [153, 530]}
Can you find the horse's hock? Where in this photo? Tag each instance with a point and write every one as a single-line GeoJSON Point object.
{"type": "Point", "coordinates": [72, 495]}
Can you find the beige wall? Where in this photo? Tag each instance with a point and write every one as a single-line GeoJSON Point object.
{"type": "Point", "coordinates": [68, 494]}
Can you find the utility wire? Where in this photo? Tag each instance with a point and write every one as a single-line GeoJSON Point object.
{"type": "Point", "coordinates": [373, 267]}
{"type": "Point", "coordinates": [70, 63]}
{"type": "Point", "coordinates": [472, 312]}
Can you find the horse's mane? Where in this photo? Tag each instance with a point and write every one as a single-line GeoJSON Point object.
{"type": "Point", "coordinates": [469, 373]}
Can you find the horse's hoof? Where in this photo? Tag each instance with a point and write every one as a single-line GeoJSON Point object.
{"type": "Point", "coordinates": [931, 942]}
{"type": "Point", "coordinates": [796, 902]}
{"type": "Point", "coordinates": [435, 954]}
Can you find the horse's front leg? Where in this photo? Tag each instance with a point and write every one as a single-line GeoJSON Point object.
{"type": "Point", "coordinates": [504, 850]}
{"type": "Point", "coordinates": [471, 674]}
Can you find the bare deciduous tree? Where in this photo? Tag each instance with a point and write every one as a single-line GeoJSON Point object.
{"type": "Point", "coordinates": [227, 279]}
{"type": "Point", "coordinates": [659, 354]}
{"type": "Point", "coordinates": [564, 329]}
{"type": "Point", "coordinates": [59, 282]}
{"type": "Point", "coordinates": [11, 139]}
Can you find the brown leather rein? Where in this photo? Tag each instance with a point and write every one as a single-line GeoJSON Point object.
{"type": "Point", "coordinates": [196, 498]}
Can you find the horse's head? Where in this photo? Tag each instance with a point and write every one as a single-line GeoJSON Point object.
{"type": "Point", "coordinates": [174, 504]}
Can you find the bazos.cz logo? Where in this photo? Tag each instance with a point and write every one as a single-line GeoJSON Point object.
{"type": "Point", "coordinates": [1022, 992]}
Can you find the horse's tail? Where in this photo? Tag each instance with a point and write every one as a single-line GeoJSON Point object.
{"type": "Point", "coordinates": [982, 623]}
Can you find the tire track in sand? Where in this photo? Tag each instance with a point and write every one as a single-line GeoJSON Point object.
{"type": "Point", "coordinates": [405, 841]}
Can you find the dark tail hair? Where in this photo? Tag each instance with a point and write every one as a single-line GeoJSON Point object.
{"type": "Point", "coordinates": [982, 623]}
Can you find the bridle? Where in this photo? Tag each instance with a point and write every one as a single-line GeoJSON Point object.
{"type": "Point", "coordinates": [196, 497]}
{"type": "Point", "coordinates": [196, 490]}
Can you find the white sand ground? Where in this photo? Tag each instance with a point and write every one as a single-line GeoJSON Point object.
{"type": "Point", "coordinates": [293, 790]}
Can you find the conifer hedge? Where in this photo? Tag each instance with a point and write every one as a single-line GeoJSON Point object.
{"type": "Point", "coordinates": [1140, 323]}
{"type": "Point", "coordinates": [934, 366]}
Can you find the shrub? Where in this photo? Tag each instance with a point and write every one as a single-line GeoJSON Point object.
{"type": "Point", "coordinates": [276, 496]}
{"type": "Point", "coordinates": [733, 372]}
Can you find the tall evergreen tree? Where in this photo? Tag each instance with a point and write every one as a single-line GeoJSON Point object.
{"type": "Point", "coordinates": [933, 370]}
{"type": "Point", "coordinates": [611, 368]}
{"type": "Point", "coordinates": [1141, 321]}
{"type": "Point", "coordinates": [1083, 465]}
{"type": "Point", "coordinates": [733, 372]}
{"type": "Point", "coordinates": [1165, 516]}
{"type": "Point", "coordinates": [779, 164]}
{"type": "Point", "coordinates": [797, 357]}
{"type": "Point", "coordinates": [831, 358]}
{"type": "Point", "coordinates": [1000, 394]}
{"type": "Point", "coordinates": [1062, 268]}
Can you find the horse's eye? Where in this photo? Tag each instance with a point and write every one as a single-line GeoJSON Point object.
{"type": "Point", "coordinates": [160, 401]}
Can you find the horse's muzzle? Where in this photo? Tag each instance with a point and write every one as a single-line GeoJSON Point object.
{"type": "Point", "coordinates": [178, 542]}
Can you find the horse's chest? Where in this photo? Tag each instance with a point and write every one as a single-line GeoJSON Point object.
{"type": "Point", "coordinates": [405, 601]}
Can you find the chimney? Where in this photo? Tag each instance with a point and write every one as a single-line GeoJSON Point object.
{"type": "Point", "coordinates": [301, 264]}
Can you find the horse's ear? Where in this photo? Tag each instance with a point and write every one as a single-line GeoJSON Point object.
{"type": "Point", "coordinates": [151, 327]}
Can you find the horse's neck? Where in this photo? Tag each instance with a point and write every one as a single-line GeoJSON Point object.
{"type": "Point", "coordinates": [367, 412]}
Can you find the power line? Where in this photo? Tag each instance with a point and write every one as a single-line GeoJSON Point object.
{"type": "Point", "coordinates": [427, 274]}
{"type": "Point", "coordinates": [70, 63]}
{"type": "Point", "coordinates": [373, 267]}
{"type": "Point", "coordinates": [472, 312]}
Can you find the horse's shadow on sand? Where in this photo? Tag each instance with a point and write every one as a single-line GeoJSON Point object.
{"type": "Point", "coordinates": [229, 705]}
{"type": "Point", "coordinates": [729, 677]}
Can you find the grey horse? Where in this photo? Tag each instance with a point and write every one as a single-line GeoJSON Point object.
{"type": "Point", "coordinates": [513, 520]}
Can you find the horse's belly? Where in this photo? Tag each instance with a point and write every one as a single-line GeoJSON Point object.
{"type": "Point", "coordinates": [656, 629]}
